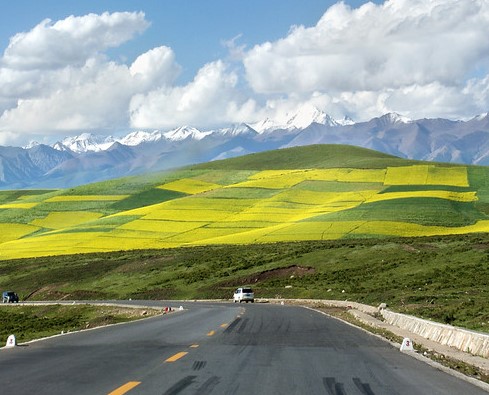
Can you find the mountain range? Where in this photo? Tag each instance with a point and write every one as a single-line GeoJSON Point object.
{"type": "Point", "coordinates": [89, 158]}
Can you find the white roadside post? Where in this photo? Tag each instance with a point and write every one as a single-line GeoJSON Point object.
{"type": "Point", "coordinates": [11, 341]}
{"type": "Point", "coordinates": [407, 345]}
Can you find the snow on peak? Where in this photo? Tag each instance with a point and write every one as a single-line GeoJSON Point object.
{"type": "Point", "coordinates": [394, 117]}
{"type": "Point", "coordinates": [31, 144]}
{"type": "Point", "coordinates": [481, 117]}
{"type": "Point", "coordinates": [305, 116]}
{"type": "Point", "coordinates": [139, 137]}
{"type": "Point", "coordinates": [86, 142]}
{"type": "Point", "coordinates": [346, 121]}
{"type": "Point", "coordinates": [185, 132]}
{"type": "Point", "coordinates": [266, 125]}
{"type": "Point", "coordinates": [237, 130]}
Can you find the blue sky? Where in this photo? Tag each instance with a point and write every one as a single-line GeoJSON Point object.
{"type": "Point", "coordinates": [114, 66]}
{"type": "Point", "coordinates": [195, 29]}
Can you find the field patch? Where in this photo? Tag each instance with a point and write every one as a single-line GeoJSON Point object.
{"type": "Point", "coordinates": [18, 205]}
{"type": "Point", "coordinates": [190, 186]}
{"type": "Point", "coordinates": [437, 194]}
{"type": "Point", "coordinates": [12, 231]}
{"type": "Point", "coordinates": [427, 175]}
{"type": "Point", "coordinates": [162, 226]}
{"type": "Point", "coordinates": [65, 219]}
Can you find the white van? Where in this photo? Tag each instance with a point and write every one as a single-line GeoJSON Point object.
{"type": "Point", "coordinates": [244, 294]}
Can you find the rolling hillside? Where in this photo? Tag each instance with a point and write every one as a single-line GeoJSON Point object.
{"type": "Point", "coordinates": [321, 192]}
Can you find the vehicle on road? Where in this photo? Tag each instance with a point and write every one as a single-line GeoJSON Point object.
{"type": "Point", "coordinates": [10, 297]}
{"type": "Point", "coordinates": [244, 294]}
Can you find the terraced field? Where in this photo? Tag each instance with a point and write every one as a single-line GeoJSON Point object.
{"type": "Point", "coordinates": [303, 193]}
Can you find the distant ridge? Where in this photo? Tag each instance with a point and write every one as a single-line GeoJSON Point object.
{"type": "Point", "coordinates": [90, 158]}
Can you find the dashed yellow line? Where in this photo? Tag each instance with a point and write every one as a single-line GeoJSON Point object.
{"type": "Point", "coordinates": [177, 356]}
{"type": "Point", "coordinates": [194, 346]}
{"type": "Point", "coordinates": [125, 388]}
{"type": "Point", "coordinates": [224, 325]}
{"type": "Point", "coordinates": [211, 333]}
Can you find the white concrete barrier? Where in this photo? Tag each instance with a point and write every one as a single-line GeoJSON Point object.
{"type": "Point", "coordinates": [475, 343]}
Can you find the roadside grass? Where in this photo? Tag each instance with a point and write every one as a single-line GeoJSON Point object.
{"type": "Point", "coordinates": [34, 322]}
{"type": "Point", "coordinates": [444, 278]}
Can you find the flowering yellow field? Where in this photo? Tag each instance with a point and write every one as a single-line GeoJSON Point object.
{"type": "Point", "coordinates": [427, 175]}
{"type": "Point", "coordinates": [162, 226]}
{"type": "Point", "coordinates": [9, 231]}
{"type": "Point", "coordinates": [257, 206]}
{"type": "Point", "coordinates": [281, 179]}
{"type": "Point", "coordinates": [65, 219]}
{"type": "Point", "coordinates": [190, 186]}
{"type": "Point", "coordinates": [18, 205]}
{"type": "Point", "coordinates": [448, 195]}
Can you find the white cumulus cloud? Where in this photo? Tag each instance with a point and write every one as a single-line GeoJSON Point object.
{"type": "Point", "coordinates": [211, 98]}
{"type": "Point", "coordinates": [379, 54]}
{"type": "Point", "coordinates": [72, 40]}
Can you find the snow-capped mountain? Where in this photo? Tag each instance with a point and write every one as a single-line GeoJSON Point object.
{"type": "Point", "coordinates": [241, 129]}
{"type": "Point", "coordinates": [307, 115]}
{"type": "Point", "coordinates": [304, 117]}
{"type": "Point", "coordinates": [139, 137]}
{"type": "Point", "coordinates": [185, 132]}
{"type": "Point", "coordinates": [88, 158]}
{"type": "Point", "coordinates": [85, 142]}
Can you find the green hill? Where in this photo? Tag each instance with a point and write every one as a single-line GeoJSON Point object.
{"type": "Point", "coordinates": [322, 192]}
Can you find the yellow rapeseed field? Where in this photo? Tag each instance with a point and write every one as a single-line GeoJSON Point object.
{"type": "Point", "coordinates": [448, 195]}
{"type": "Point", "coordinates": [162, 226]}
{"type": "Point", "coordinates": [14, 205]}
{"type": "Point", "coordinates": [190, 186]}
{"type": "Point", "coordinates": [65, 219]}
{"type": "Point", "coordinates": [427, 175]}
{"type": "Point", "coordinates": [280, 209]}
{"type": "Point", "coordinates": [10, 231]}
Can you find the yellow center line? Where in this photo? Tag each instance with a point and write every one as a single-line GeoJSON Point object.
{"type": "Point", "coordinates": [194, 346]}
{"type": "Point", "coordinates": [125, 388]}
{"type": "Point", "coordinates": [177, 356]}
{"type": "Point", "coordinates": [224, 325]}
{"type": "Point", "coordinates": [211, 333]}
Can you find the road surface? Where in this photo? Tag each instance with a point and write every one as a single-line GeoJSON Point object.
{"type": "Point", "coordinates": [222, 348]}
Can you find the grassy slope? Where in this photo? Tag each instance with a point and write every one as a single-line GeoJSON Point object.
{"type": "Point", "coordinates": [443, 278]}
{"type": "Point", "coordinates": [312, 156]}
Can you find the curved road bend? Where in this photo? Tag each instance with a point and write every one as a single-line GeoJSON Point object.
{"type": "Point", "coordinates": [222, 349]}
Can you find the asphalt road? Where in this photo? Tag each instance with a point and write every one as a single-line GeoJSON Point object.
{"type": "Point", "coordinates": [222, 349]}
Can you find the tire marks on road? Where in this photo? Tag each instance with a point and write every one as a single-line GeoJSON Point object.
{"type": "Point", "coordinates": [336, 388]}
{"type": "Point", "coordinates": [180, 385]}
